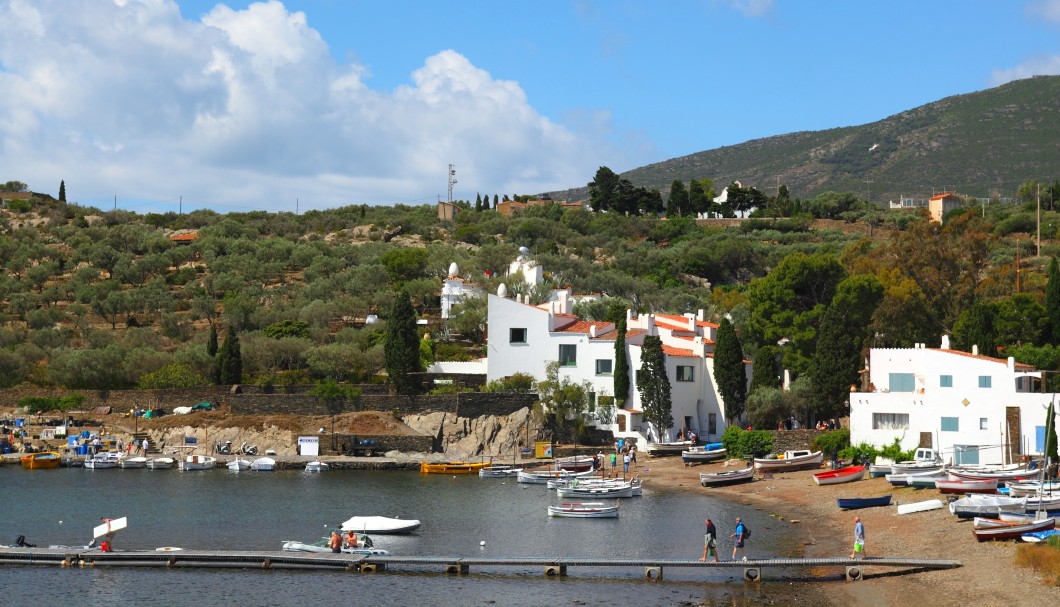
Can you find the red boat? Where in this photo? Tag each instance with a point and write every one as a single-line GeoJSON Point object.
{"type": "Point", "coordinates": [1012, 531]}
{"type": "Point", "coordinates": [842, 475]}
{"type": "Point", "coordinates": [966, 486]}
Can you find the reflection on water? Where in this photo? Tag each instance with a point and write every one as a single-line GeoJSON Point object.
{"type": "Point", "coordinates": [248, 511]}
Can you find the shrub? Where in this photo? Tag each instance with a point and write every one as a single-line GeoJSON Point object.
{"type": "Point", "coordinates": [747, 443]}
{"type": "Point", "coordinates": [894, 451]}
{"type": "Point", "coordinates": [172, 376]}
{"type": "Point", "coordinates": [832, 442]}
{"type": "Point", "coordinates": [519, 383]}
{"type": "Point", "coordinates": [862, 452]}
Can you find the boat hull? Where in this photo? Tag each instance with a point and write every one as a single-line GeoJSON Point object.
{"type": "Point", "coordinates": [843, 475]}
{"type": "Point", "coordinates": [1011, 531]}
{"type": "Point", "coordinates": [726, 478]}
{"type": "Point", "coordinates": [380, 525]}
{"type": "Point", "coordinates": [962, 486]}
{"type": "Point", "coordinates": [583, 510]}
{"type": "Point", "coordinates": [46, 460]}
{"type": "Point", "coordinates": [856, 503]}
{"type": "Point", "coordinates": [452, 467]}
{"type": "Point", "coordinates": [702, 456]}
{"type": "Point", "coordinates": [923, 506]}
{"type": "Point", "coordinates": [802, 462]}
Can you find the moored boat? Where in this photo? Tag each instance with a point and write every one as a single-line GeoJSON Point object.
{"type": "Point", "coordinates": [541, 477]}
{"type": "Point", "coordinates": [103, 461]}
{"type": "Point", "coordinates": [321, 546]}
{"type": "Point", "coordinates": [856, 503]}
{"type": "Point", "coordinates": [499, 471]}
{"type": "Point", "coordinates": [317, 466]}
{"type": "Point", "coordinates": [731, 477]}
{"type": "Point", "coordinates": [44, 460]}
{"type": "Point", "coordinates": [842, 475]}
{"type": "Point", "coordinates": [197, 462]}
{"type": "Point", "coordinates": [452, 467]}
{"type": "Point", "coordinates": [239, 465]}
{"type": "Point", "coordinates": [380, 525]}
{"type": "Point", "coordinates": [596, 491]}
{"type": "Point", "coordinates": [160, 463]}
{"type": "Point", "coordinates": [263, 464]}
{"type": "Point", "coordinates": [583, 510]}
{"type": "Point", "coordinates": [703, 455]}
{"type": "Point", "coordinates": [577, 463]}
{"type": "Point", "coordinates": [790, 461]}
{"type": "Point", "coordinates": [1011, 531]}
{"type": "Point", "coordinates": [133, 462]}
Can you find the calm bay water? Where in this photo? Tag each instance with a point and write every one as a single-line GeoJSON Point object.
{"type": "Point", "coordinates": [258, 511]}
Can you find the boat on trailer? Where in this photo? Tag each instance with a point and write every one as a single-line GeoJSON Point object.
{"type": "Point", "coordinates": [583, 510]}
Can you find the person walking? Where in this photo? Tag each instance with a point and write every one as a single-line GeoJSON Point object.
{"type": "Point", "coordinates": [625, 462]}
{"type": "Point", "coordinates": [710, 542]}
{"type": "Point", "coordinates": [145, 445]}
{"type": "Point", "coordinates": [859, 538]}
{"type": "Point", "coordinates": [739, 535]}
{"type": "Point", "coordinates": [614, 463]}
{"type": "Point", "coordinates": [633, 455]}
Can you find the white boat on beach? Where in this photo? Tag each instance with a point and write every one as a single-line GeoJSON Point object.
{"type": "Point", "coordinates": [703, 455]}
{"type": "Point", "coordinates": [973, 505]}
{"type": "Point", "coordinates": [923, 506]}
{"type": "Point", "coordinates": [925, 478]}
{"type": "Point", "coordinates": [718, 479]}
{"type": "Point", "coordinates": [263, 464]}
{"type": "Point", "coordinates": [160, 463]}
{"type": "Point", "coordinates": [583, 510]}
{"type": "Point", "coordinates": [380, 525]}
{"type": "Point", "coordinates": [790, 461]}
{"type": "Point", "coordinates": [671, 448]}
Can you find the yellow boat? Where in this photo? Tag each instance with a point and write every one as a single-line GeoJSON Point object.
{"type": "Point", "coordinates": [41, 461]}
{"type": "Point", "coordinates": [452, 467]}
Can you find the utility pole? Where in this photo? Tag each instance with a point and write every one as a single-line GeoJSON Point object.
{"type": "Point", "coordinates": [452, 181]}
{"type": "Point", "coordinates": [1039, 197]}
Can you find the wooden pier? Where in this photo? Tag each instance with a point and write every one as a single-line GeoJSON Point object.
{"type": "Point", "coordinates": [652, 569]}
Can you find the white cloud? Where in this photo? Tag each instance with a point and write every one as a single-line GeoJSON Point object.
{"type": "Point", "coordinates": [1047, 9]}
{"type": "Point", "coordinates": [1042, 65]}
{"type": "Point", "coordinates": [247, 108]}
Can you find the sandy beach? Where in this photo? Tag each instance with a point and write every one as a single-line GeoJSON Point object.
{"type": "Point", "coordinates": [988, 575]}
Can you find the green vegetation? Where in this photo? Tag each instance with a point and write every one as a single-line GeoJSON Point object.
{"type": "Point", "coordinates": [43, 404]}
{"type": "Point", "coordinates": [654, 386]}
{"type": "Point", "coordinates": [832, 443]}
{"type": "Point", "coordinates": [742, 443]}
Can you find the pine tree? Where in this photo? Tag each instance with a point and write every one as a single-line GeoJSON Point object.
{"type": "Point", "coordinates": [678, 201]}
{"type": "Point", "coordinates": [62, 190]}
{"type": "Point", "coordinates": [401, 350]}
{"type": "Point", "coordinates": [230, 360]}
{"type": "Point", "coordinates": [729, 370]}
{"type": "Point", "coordinates": [764, 372]}
{"type": "Point", "coordinates": [1052, 300]}
{"type": "Point", "coordinates": [621, 365]}
{"type": "Point", "coordinates": [654, 386]}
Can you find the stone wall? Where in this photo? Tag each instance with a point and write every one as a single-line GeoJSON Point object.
{"type": "Point", "coordinates": [466, 404]}
{"type": "Point", "coordinates": [383, 442]}
{"type": "Point", "coordinates": [793, 440]}
{"type": "Point", "coordinates": [124, 400]}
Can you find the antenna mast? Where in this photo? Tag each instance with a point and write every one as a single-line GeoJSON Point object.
{"type": "Point", "coordinates": [452, 180]}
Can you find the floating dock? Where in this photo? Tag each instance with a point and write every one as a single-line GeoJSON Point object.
{"type": "Point", "coordinates": [652, 569]}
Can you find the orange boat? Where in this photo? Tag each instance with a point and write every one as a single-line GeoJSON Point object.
{"type": "Point", "coordinates": [452, 467]}
{"type": "Point", "coordinates": [41, 461]}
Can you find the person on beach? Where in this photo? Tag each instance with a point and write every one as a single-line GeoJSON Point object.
{"type": "Point", "coordinates": [859, 538]}
{"type": "Point", "coordinates": [633, 454]}
{"type": "Point", "coordinates": [336, 542]}
{"type": "Point", "coordinates": [625, 462]}
{"type": "Point", "coordinates": [710, 542]}
{"type": "Point", "coordinates": [614, 463]}
{"type": "Point", "coordinates": [145, 445]}
{"type": "Point", "coordinates": [739, 536]}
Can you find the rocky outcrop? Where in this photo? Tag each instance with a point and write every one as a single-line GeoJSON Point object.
{"type": "Point", "coordinates": [463, 437]}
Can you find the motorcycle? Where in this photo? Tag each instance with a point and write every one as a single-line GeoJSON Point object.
{"type": "Point", "coordinates": [246, 449]}
{"type": "Point", "coordinates": [224, 448]}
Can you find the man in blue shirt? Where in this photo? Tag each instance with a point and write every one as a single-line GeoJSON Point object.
{"type": "Point", "coordinates": [739, 535]}
{"type": "Point", "coordinates": [859, 538]}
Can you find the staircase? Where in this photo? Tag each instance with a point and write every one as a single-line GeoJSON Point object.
{"type": "Point", "coordinates": [153, 448]}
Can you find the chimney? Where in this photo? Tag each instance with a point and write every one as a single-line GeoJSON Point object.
{"type": "Point", "coordinates": [945, 342]}
{"type": "Point", "coordinates": [592, 331]}
{"type": "Point", "coordinates": [649, 326]}
{"type": "Point", "coordinates": [975, 349]}
{"type": "Point", "coordinates": [700, 316]}
{"type": "Point", "coordinates": [691, 323]}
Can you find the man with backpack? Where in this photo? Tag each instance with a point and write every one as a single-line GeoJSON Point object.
{"type": "Point", "coordinates": [742, 534]}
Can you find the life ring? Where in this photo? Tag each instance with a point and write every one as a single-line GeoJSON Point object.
{"type": "Point", "coordinates": [168, 549]}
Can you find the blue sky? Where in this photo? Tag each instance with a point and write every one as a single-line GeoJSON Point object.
{"type": "Point", "coordinates": [256, 105]}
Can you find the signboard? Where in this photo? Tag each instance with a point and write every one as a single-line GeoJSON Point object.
{"type": "Point", "coordinates": [308, 445]}
{"type": "Point", "coordinates": [543, 450]}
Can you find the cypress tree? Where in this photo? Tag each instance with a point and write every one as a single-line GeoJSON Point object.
{"type": "Point", "coordinates": [764, 372]}
{"type": "Point", "coordinates": [401, 350]}
{"type": "Point", "coordinates": [729, 370]}
{"type": "Point", "coordinates": [230, 360]}
{"type": "Point", "coordinates": [62, 190]}
{"type": "Point", "coordinates": [1052, 300]}
{"type": "Point", "coordinates": [1050, 438]}
{"type": "Point", "coordinates": [654, 386]}
{"type": "Point", "coordinates": [835, 364]}
{"type": "Point", "coordinates": [621, 365]}
{"type": "Point", "coordinates": [211, 344]}
{"type": "Point", "coordinates": [478, 201]}
{"type": "Point", "coordinates": [495, 201]}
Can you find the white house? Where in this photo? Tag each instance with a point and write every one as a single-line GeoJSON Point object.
{"type": "Point", "coordinates": [524, 339]}
{"type": "Point", "coordinates": [975, 409]}
{"type": "Point", "coordinates": [455, 290]}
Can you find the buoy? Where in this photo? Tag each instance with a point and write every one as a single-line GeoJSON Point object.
{"type": "Point", "coordinates": [482, 543]}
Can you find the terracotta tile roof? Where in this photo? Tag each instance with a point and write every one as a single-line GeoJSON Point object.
{"type": "Point", "coordinates": [943, 195]}
{"type": "Point", "coordinates": [684, 320]}
{"type": "Point", "coordinates": [1000, 361]}
{"type": "Point", "coordinates": [582, 326]}
{"type": "Point", "coordinates": [185, 237]}
{"type": "Point", "coordinates": [672, 351]}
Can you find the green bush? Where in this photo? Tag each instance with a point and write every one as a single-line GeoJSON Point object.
{"type": "Point", "coordinates": [38, 404]}
{"type": "Point", "coordinates": [172, 376]}
{"type": "Point", "coordinates": [747, 443]}
{"type": "Point", "coordinates": [833, 442]}
{"type": "Point", "coordinates": [894, 451]}
{"type": "Point", "coordinates": [862, 452]}
{"type": "Point", "coordinates": [519, 383]}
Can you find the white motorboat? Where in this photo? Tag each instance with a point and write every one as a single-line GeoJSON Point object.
{"type": "Point", "coordinates": [132, 462]}
{"type": "Point", "coordinates": [197, 462]}
{"type": "Point", "coordinates": [102, 461]}
{"type": "Point", "coordinates": [321, 547]}
{"type": "Point", "coordinates": [791, 460]}
{"type": "Point", "coordinates": [160, 463]}
{"type": "Point", "coordinates": [541, 477]}
{"type": "Point", "coordinates": [596, 491]}
{"type": "Point", "coordinates": [583, 510]}
{"type": "Point", "coordinates": [499, 471]}
{"type": "Point", "coordinates": [239, 465]}
{"type": "Point", "coordinates": [263, 464]}
{"type": "Point", "coordinates": [316, 466]}
{"type": "Point", "coordinates": [380, 525]}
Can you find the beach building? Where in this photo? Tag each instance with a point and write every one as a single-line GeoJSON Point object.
{"type": "Point", "coordinates": [525, 338]}
{"type": "Point", "coordinates": [974, 409]}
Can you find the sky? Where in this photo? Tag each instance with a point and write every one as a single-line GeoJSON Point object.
{"type": "Point", "coordinates": [162, 105]}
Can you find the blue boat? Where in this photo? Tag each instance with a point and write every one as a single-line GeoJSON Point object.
{"type": "Point", "coordinates": [855, 503]}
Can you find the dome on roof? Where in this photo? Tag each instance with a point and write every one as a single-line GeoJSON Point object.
{"type": "Point", "coordinates": [502, 291]}
{"type": "Point", "coordinates": [454, 271]}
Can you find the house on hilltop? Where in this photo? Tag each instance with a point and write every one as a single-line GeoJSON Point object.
{"type": "Point", "coordinates": [974, 409]}
{"type": "Point", "coordinates": [940, 204]}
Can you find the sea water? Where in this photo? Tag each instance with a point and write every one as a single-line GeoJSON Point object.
{"type": "Point", "coordinates": [461, 515]}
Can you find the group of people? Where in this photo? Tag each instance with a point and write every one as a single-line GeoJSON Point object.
{"type": "Point", "coordinates": [626, 450]}
{"type": "Point", "coordinates": [688, 435]}
{"type": "Point", "coordinates": [338, 541]}
{"type": "Point", "coordinates": [740, 536]}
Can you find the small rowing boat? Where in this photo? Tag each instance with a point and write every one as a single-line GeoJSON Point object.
{"type": "Point", "coordinates": [856, 503]}
{"type": "Point", "coordinates": [452, 467]}
{"type": "Point", "coordinates": [842, 475]}
{"type": "Point", "coordinates": [718, 479]}
{"type": "Point", "coordinates": [583, 510]}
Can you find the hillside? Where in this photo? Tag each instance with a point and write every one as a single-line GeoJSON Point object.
{"type": "Point", "coordinates": [982, 144]}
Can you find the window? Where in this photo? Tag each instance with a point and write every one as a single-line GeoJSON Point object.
{"type": "Point", "coordinates": [568, 355]}
{"type": "Point", "coordinates": [982, 423]}
{"type": "Point", "coordinates": [945, 381]}
{"type": "Point", "coordinates": [603, 366]}
{"type": "Point", "coordinates": [517, 336]}
{"type": "Point", "coordinates": [901, 382]}
{"type": "Point", "coordinates": [684, 373]}
{"type": "Point", "coordinates": [984, 381]}
{"type": "Point", "coordinates": [890, 421]}
{"type": "Point", "coordinates": [950, 424]}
